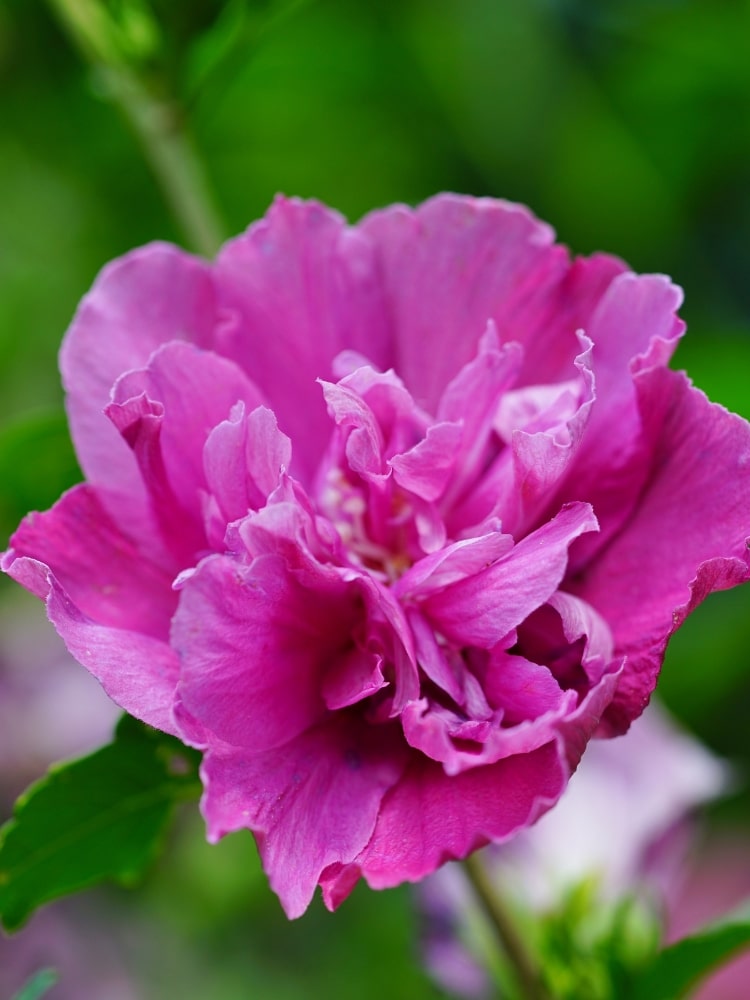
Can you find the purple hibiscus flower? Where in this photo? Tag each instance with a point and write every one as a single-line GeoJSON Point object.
{"type": "Point", "coordinates": [387, 520]}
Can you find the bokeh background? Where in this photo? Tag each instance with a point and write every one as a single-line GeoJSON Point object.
{"type": "Point", "coordinates": [626, 124]}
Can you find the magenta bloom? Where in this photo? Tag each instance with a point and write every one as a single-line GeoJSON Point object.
{"type": "Point", "coordinates": [387, 520]}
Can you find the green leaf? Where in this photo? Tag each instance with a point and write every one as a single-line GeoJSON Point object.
{"type": "Point", "coordinates": [38, 985]}
{"type": "Point", "coordinates": [37, 464]}
{"type": "Point", "coordinates": [100, 817]}
{"type": "Point", "coordinates": [683, 964]}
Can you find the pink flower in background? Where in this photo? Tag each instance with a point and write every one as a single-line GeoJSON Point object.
{"type": "Point", "coordinates": [387, 520]}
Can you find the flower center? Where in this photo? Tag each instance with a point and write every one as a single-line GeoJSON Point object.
{"type": "Point", "coordinates": [374, 529]}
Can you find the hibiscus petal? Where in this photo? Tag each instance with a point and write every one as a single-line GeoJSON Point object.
{"type": "Point", "coordinates": [388, 631]}
{"type": "Point", "coordinates": [311, 804]}
{"type": "Point", "coordinates": [521, 688]}
{"type": "Point", "coordinates": [687, 537]}
{"type": "Point", "coordinates": [429, 818]}
{"type": "Point", "coordinates": [460, 744]}
{"type": "Point", "coordinates": [105, 574]}
{"type": "Point", "coordinates": [354, 676]}
{"type": "Point", "coordinates": [152, 295]}
{"type": "Point", "coordinates": [428, 467]}
{"type": "Point", "coordinates": [634, 328]}
{"type": "Point", "coordinates": [254, 647]}
{"type": "Point", "coordinates": [304, 287]}
{"type": "Point", "coordinates": [548, 326]}
{"type": "Point", "coordinates": [359, 428]}
{"type": "Point", "coordinates": [140, 421]}
{"type": "Point", "coordinates": [243, 460]}
{"type": "Point", "coordinates": [482, 609]}
{"type": "Point", "coordinates": [453, 563]}
{"type": "Point", "coordinates": [195, 390]}
{"type": "Point", "coordinates": [109, 602]}
{"type": "Point", "coordinates": [579, 620]}
{"type": "Point", "coordinates": [448, 267]}
{"type": "Point", "coordinates": [472, 398]}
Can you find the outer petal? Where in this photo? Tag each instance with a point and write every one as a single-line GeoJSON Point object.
{"type": "Point", "coordinates": [303, 287]}
{"type": "Point", "coordinates": [155, 294]}
{"type": "Point", "coordinates": [311, 804]}
{"type": "Point", "coordinates": [104, 573]}
{"type": "Point", "coordinates": [634, 328]}
{"type": "Point", "coordinates": [430, 818]}
{"type": "Point", "coordinates": [687, 537]}
{"type": "Point", "coordinates": [450, 266]}
{"type": "Point", "coordinates": [109, 603]}
{"type": "Point", "coordinates": [254, 647]}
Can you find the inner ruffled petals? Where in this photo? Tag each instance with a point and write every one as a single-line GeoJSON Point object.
{"type": "Point", "coordinates": [571, 639]}
{"type": "Point", "coordinates": [165, 412]}
{"type": "Point", "coordinates": [243, 459]}
{"type": "Point", "coordinates": [461, 743]}
{"type": "Point", "coordinates": [538, 429]}
{"type": "Point", "coordinates": [356, 674]}
{"type": "Point", "coordinates": [384, 466]}
{"type": "Point", "coordinates": [477, 707]}
{"type": "Point", "coordinates": [520, 688]}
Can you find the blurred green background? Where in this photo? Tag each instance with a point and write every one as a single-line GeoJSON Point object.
{"type": "Point", "coordinates": [626, 124]}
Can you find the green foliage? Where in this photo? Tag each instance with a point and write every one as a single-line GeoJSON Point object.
{"type": "Point", "coordinates": [589, 947]}
{"type": "Point", "coordinates": [682, 965]}
{"type": "Point", "coordinates": [100, 817]}
{"type": "Point", "coordinates": [38, 985]}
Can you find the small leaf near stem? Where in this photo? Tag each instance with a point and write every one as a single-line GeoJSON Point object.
{"type": "Point", "coordinates": [157, 121]}
{"type": "Point", "coordinates": [523, 963]}
{"type": "Point", "coordinates": [101, 817]}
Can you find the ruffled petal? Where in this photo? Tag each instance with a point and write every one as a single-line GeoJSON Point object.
{"type": "Point", "coordinates": [311, 804]}
{"type": "Point", "coordinates": [460, 744]}
{"type": "Point", "coordinates": [147, 298]}
{"type": "Point", "coordinates": [244, 459]}
{"type": "Point", "coordinates": [254, 648]}
{"type": "Point", "coordinates": [687, 537]}
{"type": "Point", "coordinates": [302, 287]}
{"type": "Point", "coordinates": [195, 390]}
{"type": "Point", "coordinates": [482, 609]}
{"type": "Point", "coordinates": [429, 818]}
{"type": "Point", "coordinates": [109, 577]}
{"type": "Point", "coordinates": [448, 267]}
{"type": "Point", "coordinates": [109, 603]}
{"type": "Point", "coordinates": [634, 328]}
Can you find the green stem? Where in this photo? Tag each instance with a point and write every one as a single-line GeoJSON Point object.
{"type": "Point", "coordinates": [524, 965]}
{"type": "Point", "coordinates": [157, 123]}
{"type": "Point", "coordinates": [173, 159]}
